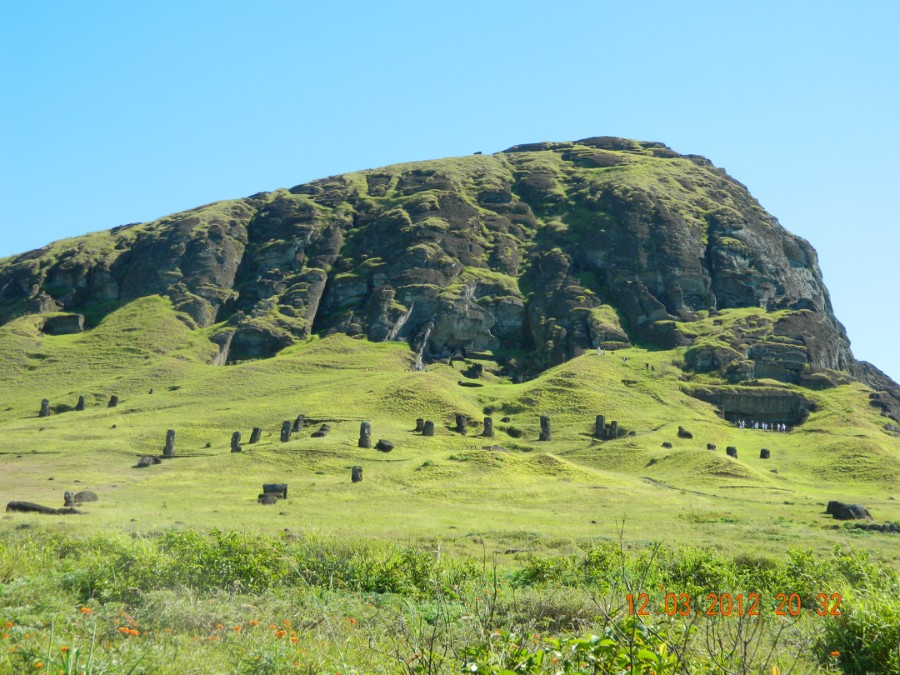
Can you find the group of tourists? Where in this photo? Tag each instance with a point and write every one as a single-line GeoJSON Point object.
{"type": "Point", "coordinates": [761, 426]}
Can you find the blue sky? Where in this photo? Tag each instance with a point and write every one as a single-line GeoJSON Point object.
{"type": "Point", "coordinates": [122, 112]}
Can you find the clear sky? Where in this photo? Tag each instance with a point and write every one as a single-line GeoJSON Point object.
{"type": "Point", "coordinates": [118, 112]}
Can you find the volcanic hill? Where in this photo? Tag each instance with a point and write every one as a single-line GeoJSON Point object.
{"type": "Point", "coordinates": [502, 273]}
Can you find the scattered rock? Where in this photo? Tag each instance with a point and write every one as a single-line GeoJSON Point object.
{"type": "Point", "coordinates": [81, 497]}
{"type": "Point", "coordinates": [764, 453]}
{"type": "Point", "coordinates": [842, 511]}
{"type": "Point", "coordinates": [710, 446]}
{"type": "Point", "coordinates": [731, 451]}
{"type": "Point", "coordinates": [684, 433]}
{"type": "Point", "coordinates": [383, 445]}
{"type": "Point", "coordinates": [278, 489]}
{"type": "Point", "coordinates": [63, 324]}
{"type": "Point", "coordinates": [505, 420]}
{"type": "Point", "coordinates": [666, 444]}
{"type": "Point", "coordinates": [265, 498]}
{"type": "Point", "coordinates": [322, 432]}
{"type": "Point", "coordinates": [146, 460]}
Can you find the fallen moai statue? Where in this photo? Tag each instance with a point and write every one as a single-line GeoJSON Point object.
{"type": "Point", "coordinates": [31, 507]}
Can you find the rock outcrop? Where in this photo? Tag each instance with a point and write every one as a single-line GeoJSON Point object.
{"type": "Point", "coordinates": [546, 248]}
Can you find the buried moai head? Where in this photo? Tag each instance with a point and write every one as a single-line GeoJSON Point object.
{"type": "Point", "coordinates": [731, 451]}
{"type": "Point", "coordinates": [298, 423]}
{"type": "Point", "coordinates": [80, 405]}
{"type": "Point", "coordinates": [286, 431]}
{"type": "Point", "coordinates": [113, 401]}
{"type": "Point", "coordinates": [462, 424]}
{"type": "Point", "coordinates": [236, 441]}
{"type": "Point", "coordinates": [684, 433]}
{"type": "Point", "coordinates": [545, 429]}
{"type": "Point", "coordinates": [600, 426]}
{"type": "Point", "coordinates": [764, 453]}
{"type": "Point", "coordinates": [68, 498]}
{"type": "Point", "coordinates": [420, 425]}
{"type": "Point", "coordinates": [357, 474]}
{"type": "Point", "coordinates": [488, 428]}
{"type": "Point", "coordinates": [428, 428]}
{"type": "Point", "coordinates": [169, 449]}
{"type": "Point", "coordinates": [365, 435]}
{"type": "Point", "coordinates": [255, 435]}
{"type": "Point", "coordinates": [45, 408]}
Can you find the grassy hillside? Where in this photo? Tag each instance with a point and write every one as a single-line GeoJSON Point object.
{"type": "Point", "coordinates": [455, 552]}
{"type": "Point", "coordinates": [451, 488]}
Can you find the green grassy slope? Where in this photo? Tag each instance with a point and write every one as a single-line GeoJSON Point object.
{"type": "Point", "coordinates": [448, 487]}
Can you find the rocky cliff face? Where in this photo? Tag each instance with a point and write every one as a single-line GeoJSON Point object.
{"type": "Point", "coordinates": [541, 251]}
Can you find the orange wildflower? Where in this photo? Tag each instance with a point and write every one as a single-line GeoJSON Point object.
{"type": "Point", "coordinates": [237, 629]}
{"type": "Point", "coordinates": [39, 665]}
{"type": "Point", "coordinates": [123, 630]}
{"type": "Point", "coordinates": [272, 626]}
{"type": "Point", "coordinates": [63, 649]}
{"type": "Point", "coordinates": [85, 610]}
{"type": "Point", "coordinates": [8, 624]}
{"type": "Point", "coordinates": [280, 633]}
{"type": "Point", "coordinates": [253, 622]}
{"type": "Point", "coordinates": [5, 636]}
{"type": "Point", "coordinates": [835, 654]}
{"type": "Point", "coordinates": [295, 639]}
{"type": "Point", "coordinates": [133, 632]}
{"type": "Point", "coordinates": [219, 626]}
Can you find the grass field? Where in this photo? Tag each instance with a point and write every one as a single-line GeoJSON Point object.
{"type": "Point", "coordinates": [510, 499]}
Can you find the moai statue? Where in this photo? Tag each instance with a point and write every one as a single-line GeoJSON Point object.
{"type": "Point", "coordinates": [461, 424]}
{"type": "Point", "coordinates": [169, 450]}
{"type": "Point", "coordinates": [236, 441]}
{"type": "Point", "coordinates": [45, 408]}
{"type": "Point", "coordinates": [600, 427]}
{"type": "Point", "coordinates": [255, 434]}
{"type": "Point", "coordinates": [420, 425]}
{"type": "Point", "coordinates": [731, 451]}
{"type": "Point", "coordinates": [764, 453]}
{"type": "Point", "coordinates": [545, 429]}
{"type": "Point", "coordinates": [69, 498]}
{"type": "Point", "coordinates": [428, 429]}
{"type": "Point", "coordinates": [357, 474]}
{"type": "Point", "coordinates": [488, 428]}
{"type": "Point", "coordinates": [80, 405]}
{"type": "Point", "coordinates": [286, 431]}
{"type": "Point", "coordinates": [298, 423]}
{"type": "Point", "coordinates": [113, 401]}
{"type": "Point", "coordinates": [365, 435]}
{"type": "Point", "coordinates": [613, 430]}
